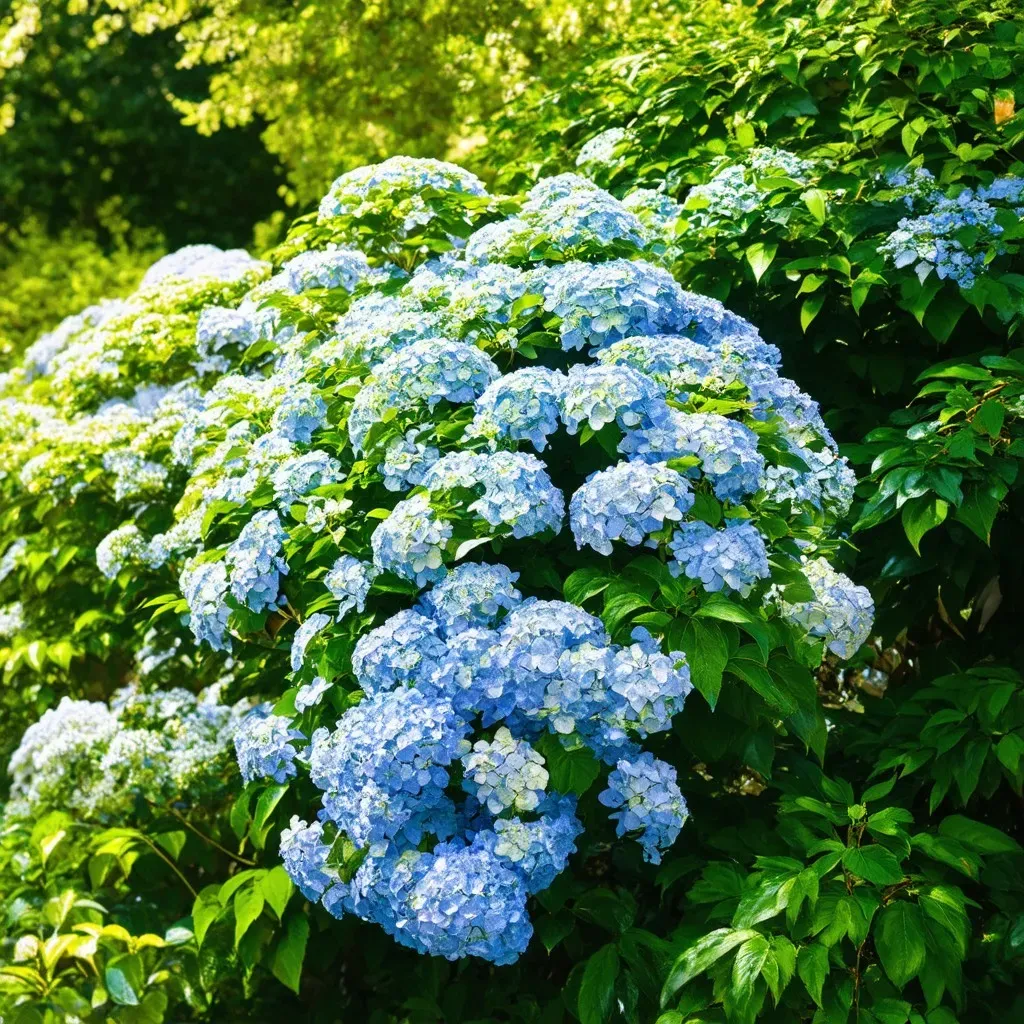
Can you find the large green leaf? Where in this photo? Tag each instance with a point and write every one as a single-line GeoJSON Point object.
{"type": "Point", "coordinates": [900, 941]}
{"type": "Point", "coordinates": [597, 989]}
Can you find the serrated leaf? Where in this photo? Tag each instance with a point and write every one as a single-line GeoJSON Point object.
{"type": "Point", "coordinates": [290, 952]}
{"type": "Point", "coordinates": [597, 989]}
{"type": "Point", "coordinates": [900, 941]}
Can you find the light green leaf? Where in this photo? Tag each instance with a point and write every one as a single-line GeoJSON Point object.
{"type": "Point", "coordinates": [248, 904]}
{"type": "Point", "coordinates": [290, 952]}
{"type": "Point", "coordinates": [760, 256]}
{"type": "Point", "coordinates": [277, 889]}
{"type": "Point", "coordinates": [812, 968]}
{"type": "Point", "coordinates": [899, 940]}
{"type": "Point", "coordinates": [921, 515]}
{"type": "Point", "coordinates": [701, 955]}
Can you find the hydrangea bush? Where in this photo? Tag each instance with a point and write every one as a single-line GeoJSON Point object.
{"type": "Point", "coordinates": [417, 462]}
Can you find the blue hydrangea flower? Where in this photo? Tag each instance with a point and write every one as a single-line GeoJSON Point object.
{"type": "Point", "coordinates": [538, 851]}
{"type": "Point", "coordinates": [603, 147]}
{"type": "Point", "coordinates": [484, 295]}
{"type": "Point", "coordinates": [255, 561]}
{"type": "Point", "coordinates": [598, 395]}
{"type": "Point", "coordinates": [652, 686]}
{"type": "Point", "coordinates": [841, 613]}
{"type": "Point", "coordinates": [498, 242]}
{"type": "Point", "coordinates": [472, 677]}
{"type": "Point", "coordinates": [602, 303]}
{"type": "Point", "coordinates": [470, 903]}
{"type": "Point", "coordinates": [296, 476]}
{"type": "Point", "coordinates": [304, 854]}
{"type": "Point", "coordinates": [404, 649]}
{"type": "Point", "coordinates": [505, 773]}
{"type": "Point", "coordinates": [383, 769]}
{"type": "Point", "coordinates": [264, 747]}
{"type": "Point", "coordinates": [520, 406]}
{"type": "Point", "coordinates": [300, 412]}
{"type": "Point", "coordinates": [727, 450]}
{"type": "Point", "coordinates": [420, 375]}
{"type": "Point", "coordinates": [533, 638]}
{"type": "Point", "coordinates": [471, 594]}
{"type": "Point", "coordinates": [648, 801]}
{"type": "Point", "coordinates": [406, 460]}
{"type": "Point", "coordinates": [327, 268]}
{"type": "Point", "coordinates": [733, 558]}
{"type": "Point", "coordinates": [349, 581]}
{"type": "Point", "coordinates": [121, 547]}
{"type": "Point", "coordinates": [204, 585]}
{"type": "Point", "coordinates": [376, 326]}
{"type": "Point", "coordinates": [627, 502]}
{"type": "Point", "coordinates": [311, 694]}
{"type": "Point", "coordinates": [316, 623]}
{"type": "Point", "coordinates": [587, 217]}
{"type": "Point", "coordinates": [411, 541]}
{"type": "Point", "coordinates": [358, 191]}
{"type": "Point", "coordinates": [657, 212]}
{"type": "Point", "coordinates": [679, 365]}
{"type": "Point", "coordinates": [518, 494]}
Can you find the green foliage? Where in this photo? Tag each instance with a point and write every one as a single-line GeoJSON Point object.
{"type": "Point", "coordinates": [893, 897]}
{"type": "Point", "coordinates": [43, 279]}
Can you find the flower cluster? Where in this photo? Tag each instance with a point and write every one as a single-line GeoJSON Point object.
{"type": "Point", "coordinates": [954, 236]}
{"type": "Point", "coordinates": [322, 445]}
{"type": "Point", "coordinates": [475, 651]}
{"type": "Point", "coordinates": [97, 759]}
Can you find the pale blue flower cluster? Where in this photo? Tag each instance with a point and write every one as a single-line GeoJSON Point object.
{"type": "Point", "coordinates": [199, 261]}
{"type": "Point", "coordinates": [840, 613]}
{"type": "Point", "coordinates": [349, 581]}
{"type": "Point", "coordinates": [311, 694]}
{"type": "Point", "coordinates": [954, 235]}
{"type": "Point", "coordinates": [375, 326]}
{"type": "Point", "coordinates": [297, 475]}
{"type": "Point", "coordinates": [300, 412]}
{"type": "Point", "coordinates": [204, 585]}
{"type": "Point", "coordinates": [255, 562]}
{"type": "Point", "coordinates": [658, 212]}
{"type": "Point", "coordinates": [733, 558]}
{"type": "Point", "coordinates": [648, 802]}
{"type": "Point", "coordinates": [727, 450]}
{"type": "Point", "coordinates": [406, 461]}
{"type": "Point", "coordinates": [265, 745]}
{"type": "Point", "coordinates": [520, 406]}
{"type": "Point", "coordinates": [418, 377]}
{"type": "Point", "coordinates": [602, 148]}
{"type": "Point", "coordinates": [598, 395]}
{"type": "Point", "coordinates": [628, 502]}
{"type": "Point", "coordinates": [459, 829]}
{"type": "Point", "coordinates": [346, 269]}
{"type": "Point", "coordinates": [411, 542]}
{"type": "Point", "coordinates": [601, 303]}
{"type": "Point", "coordinates": [518, 495]}
{"type": "Point", "coordinates": [315, 624]}
{"type": "Point", "coordinates": [396, 182]}
{"type": "Point", "coordinates": [471, 594]}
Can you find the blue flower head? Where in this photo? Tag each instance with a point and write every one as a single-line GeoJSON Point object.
{"type": "Point", "coordinates": [730, 559]}
{"type": "Point", "coordinates": [411, 541]}
{"type": "Point", "coordinates": [264, 746]}
{"type": "Point", "coordinates": [349, 581]}
{"type": "Point", "coordinates": [599, 395]}
{"type": "Point", "coordinates": [628, 502]}
{"type": "Point", "coordinates": [256, 563]}
{"type": "Point", "coordinates": [403, 650]}
{"type": "Point", "coordinates": [648, 802]}
{"type": "Point", "coordinates": [471, 594]}
{"type": "Point", "coordinates": [520, 406]}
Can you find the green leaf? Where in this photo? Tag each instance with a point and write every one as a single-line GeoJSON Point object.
{"type": "Point", "coordinates": [760, 256]}
{"type": "Point", "coordinates": [899, 940]}
{"type": "Point", "coordinates": [290, 952]}
{"type": "Point", "coordinates": [206, 909]}
{"type": "Point", "coordinates": [750, 961]}
{"type": "Point", "coordinates": [277, 889]}
{"type": "Point", "coordinates": [585, 583]}
{"type": "Point", "coordinates": [570, 771]}
{"type": "Point", "coordinates": [248, 905]}
{"type": "Point", "coordinates": [978, 511]}
{"type": "Point", "coordinates": [124, 979]}
{"type": "Point", "coordinates": [976, 836]}
{"type": "Point", "coordinates": [268, 800]}
{"type": "Point", "coordinates": [989, 418]}
{"type": "Point", "coordinates": [707, 950]}
{"type": "Point", "coordinates": [707, 653]}
{"type": "Point", "coordinates": [814, 200]}
{"type": "Point", "coordinates": [873, 864]}
{"type": "Point", "coordinates": [921, 515]}
{"type": "Point", "coordinates": [812, 968]}
{"type": "Point", "coordinates": [597, 989]}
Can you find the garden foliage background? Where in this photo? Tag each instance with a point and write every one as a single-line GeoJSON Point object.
{"type": "Point", "coordinates": [849, 181]}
